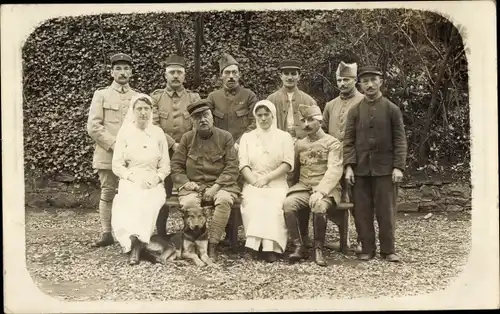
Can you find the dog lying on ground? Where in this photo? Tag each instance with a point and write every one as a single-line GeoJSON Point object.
{"type": "Point", "coordinates": [191, 243]}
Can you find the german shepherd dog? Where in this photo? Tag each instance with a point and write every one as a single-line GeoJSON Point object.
{"type": "Point", "coordinates": [191, 243]}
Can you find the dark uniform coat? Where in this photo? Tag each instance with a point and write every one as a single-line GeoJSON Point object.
{"type": "Point", "coordinates": [375, 141]}
{"type": "Point", "coordinates": [232, 110]}
{"type": "Point", "coordinates": [206, 161]}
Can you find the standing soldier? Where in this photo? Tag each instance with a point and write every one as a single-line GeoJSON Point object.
{"type": "Point", "coordinates": [335, 112]}
{"type": "Point", "coordinates": [232, 105]}
{"type": "Point", "coordinates": [287, 100]}
{"type": "Point", "coordinates": [170, 113]}
{"type": "Point", "coordinates": [107, 112]}
{"type": "Point", "coordinates": [375, 157]}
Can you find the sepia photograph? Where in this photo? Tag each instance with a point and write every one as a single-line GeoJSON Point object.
{"type": "Point", "coordinates": [252, 153]}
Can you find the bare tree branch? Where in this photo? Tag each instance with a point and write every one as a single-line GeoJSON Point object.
{"type": "Point", "coordinates": [418, 53]}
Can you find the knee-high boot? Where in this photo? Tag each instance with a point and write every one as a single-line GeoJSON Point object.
{"type": "Point", "coordinates": [292, 224]}
{"type": "Point", "coordinates": [319, 225]}
{"type": "Point", "coordinates": [304, 226]}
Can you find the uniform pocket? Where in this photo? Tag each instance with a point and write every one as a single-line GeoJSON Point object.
{"type": "Point", "coordinates": [193, 157]}
{"type": "Point", "coordinates": [163, 114]}
{"type": "Point", "coordinates": [111, 112]}
{"type": "Point", "coordinates": [219, 114]}
{"type": "Point", "coordinates": [242, 117]}
{"type": "Point", "coordinates": [216, 157]}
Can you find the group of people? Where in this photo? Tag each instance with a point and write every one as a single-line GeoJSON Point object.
{"type": "Point", "coordinates": [283, 156]}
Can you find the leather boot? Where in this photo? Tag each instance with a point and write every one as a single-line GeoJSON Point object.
{"type": "Point", "coordinates": [106, 239]}
{"type": "Point", "coordinates": [161, 221]}
{"type": "Point", "coordinates": [319, 225]}
{"type": "Point", "coordinates": [304, 227]}
{"type": "Point", "coordinates": [135, 251]}
{"type": "Point", "coordinates": [292, 225]}
{"type": "Point", "coordinates": [211, 251]}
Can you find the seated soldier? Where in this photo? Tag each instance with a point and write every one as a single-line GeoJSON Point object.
{"type": "Point", "coordinates": [205, 168]}
{"type": "Point", "coordinates": [316, 186]}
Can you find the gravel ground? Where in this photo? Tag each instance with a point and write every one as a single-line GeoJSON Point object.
{"type": "Point", "coordinates": [64, 265]}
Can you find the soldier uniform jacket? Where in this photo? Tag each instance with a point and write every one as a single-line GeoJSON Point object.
{"type": "Point", "coordinates": [318, 166]}
{"type": "Point", "coordinates": [335, 114]}
{"type": "Point", "coordinates": [169, 112]}
{"type": "Point", "coordinates": [107, 112]}
{"type": "Point", "coordinates": [375, 141]}
{"type": "Point", "coordinates": [206, 161]}
{"type": "Point", "coordinates": [280, 100]}
{"type": "Point", "coordinates": [233, 110]}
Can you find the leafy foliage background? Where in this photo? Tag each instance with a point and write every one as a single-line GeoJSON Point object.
{"type": "Point", "coordinates": [66, 59]}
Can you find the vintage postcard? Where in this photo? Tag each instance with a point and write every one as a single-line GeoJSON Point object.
{"type": "Point", "coordinates": [233, 157]}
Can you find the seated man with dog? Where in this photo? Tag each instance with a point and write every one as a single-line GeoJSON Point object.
{"type": "Point", "coordinates": [316, 186]}
{"type": "Point", "coordinates": [205, 169]}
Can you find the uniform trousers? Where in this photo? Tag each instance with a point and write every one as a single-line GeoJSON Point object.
{"type": "Point", "coordinates": [109, 185]}
{"type": "Point", "coordinates": [375, 195]}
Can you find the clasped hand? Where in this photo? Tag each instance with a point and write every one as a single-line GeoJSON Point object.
{"type": "Point", "coordinates": [210, 193]}
{"type": "Point", "coordinates": [261, 182]}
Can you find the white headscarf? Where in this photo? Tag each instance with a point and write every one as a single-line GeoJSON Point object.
{"type": "Point", "coordinates": [129, 121]}
{"type": "Point", "coordinates": [267, 137]}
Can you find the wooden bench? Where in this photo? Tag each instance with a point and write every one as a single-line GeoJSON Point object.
{"type": "Point", "coordinates": [339, 216]}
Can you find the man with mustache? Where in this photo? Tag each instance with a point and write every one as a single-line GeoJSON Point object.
{"type": "Point", "coordinates": [316, 187]}
{"type": "Point", "coordinates": [375, 151]}
{"type": "Point", "coordinates": [107, 112]}
{"type": "Point", "coordinates": [287, 100]}
{"type": "Point", "coordinates": [232, 105]}
{"type": "Point", "coordinates": [170, 113]}
{"type": "Point", "coordinates": [335, 112]}
{"type": "Point", "coordinates": [205, 168]}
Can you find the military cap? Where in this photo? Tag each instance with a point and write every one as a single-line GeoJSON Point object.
{"type": "Point", "coordinates": [120, 57]}
{"type": "Point", "coordinates": [290, 64]}
{"type": "Point", "coordinates": [198, 106]}
{"type": "Point", "coordinates": [226, 60]}
{"type": "Point", "coordinates": [309, 111]}
{"type": "Point", "coordinates": [176, 60]}
{"type": "Point", "coordinates": [369, 69]}
{"type": "Point", "coordinates": [347, 69]}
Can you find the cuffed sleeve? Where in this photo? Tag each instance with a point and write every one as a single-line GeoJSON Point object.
{"type": "Point", "coordinates": [399, 139]}
{"type": "Point", "coordinates": [349, 149]}
{"type": "Point", "coordinates": [95, 123]}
